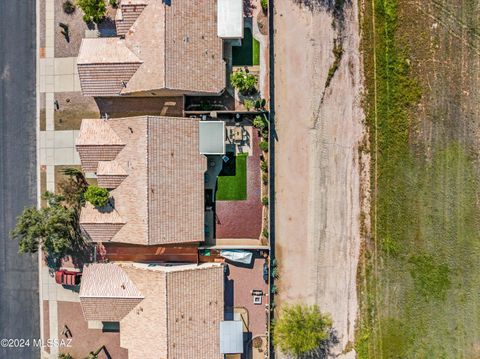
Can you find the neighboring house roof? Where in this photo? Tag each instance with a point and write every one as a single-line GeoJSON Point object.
{"type": "Point", "coordinates": [179, 315]}
{"type": "Point", "coordinates": [169, 46]}
{"type": "Point", "coordinates": [127, 14]}
{"type": "Point", "coordinates": [157, 176]}
{"type": "Point", "coordinates": [106, 293]}
{"type": "Point", "coordinates": [105, 65]}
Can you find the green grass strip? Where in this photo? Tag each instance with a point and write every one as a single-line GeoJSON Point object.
{"type": "Point", "coordinates": [256, 52]}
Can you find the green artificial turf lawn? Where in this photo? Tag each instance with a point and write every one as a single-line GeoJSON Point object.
{"type": "Point", "coordinates": [256, 52]}
{"type": "Point", "coordinates": [234, 188]}
{"type": "Point", "coordinates": [249, 53]}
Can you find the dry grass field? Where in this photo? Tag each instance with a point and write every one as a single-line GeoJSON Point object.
{"type": "Point", "coordinates": [419, 274]}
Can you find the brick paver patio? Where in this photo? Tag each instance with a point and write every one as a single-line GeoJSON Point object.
{"type": "Point", "coordinates": [238, 291]}
{"type": "Point", "coordinates": [243, 219]}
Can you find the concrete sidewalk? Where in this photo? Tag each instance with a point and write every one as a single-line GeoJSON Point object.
{"type": "Point", "coordinates": [54, 148]}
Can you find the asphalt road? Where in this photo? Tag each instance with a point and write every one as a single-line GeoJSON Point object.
{"type": "Point", "coordinates": [19, 306]}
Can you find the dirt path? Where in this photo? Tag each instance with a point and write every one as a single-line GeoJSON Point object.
{"type": "Point", "coordinates": [317, 163]}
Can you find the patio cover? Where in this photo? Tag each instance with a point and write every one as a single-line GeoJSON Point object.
{"type": "Point", "coordinates": [230, 19]}
{"type": "Point", "coordinates": [231, 337]}
{"type": "Point", "coordinates": [212, 137]}
{"type": "Point", "coordinates": [239, 256]}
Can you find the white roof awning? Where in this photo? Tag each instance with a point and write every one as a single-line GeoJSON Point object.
{"type": "Point", "coordinates": [231, 337]}
{"type": "Point", "coordinates": [212, 137]}
{"type": "Point", "coordinates": [230, 19]}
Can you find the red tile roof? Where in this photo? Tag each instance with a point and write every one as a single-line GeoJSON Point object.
{"type": "Point", "coordinates": [178, 315]}
{"type": "Point", "coordinates": [160, 197]}
{"type": "Point", "coordinates": [168, 49]}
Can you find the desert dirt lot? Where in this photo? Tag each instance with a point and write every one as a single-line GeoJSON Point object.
{"type": "Point", "coordinates": [317, 162]}
{"type": "Point", "coordinates": [420, 274]}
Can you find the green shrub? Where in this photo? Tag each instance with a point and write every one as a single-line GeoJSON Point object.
{"type": "Point", "coordinates": [264, 166]}
{"type": "Point", "coordinates": [275, 273]}
{"type": "Point", "coordinates": [265, 200]}
{"type": "Point", "coordinates": [64, 356]}
{"type": "Point", "coordinates": [243, 82]}
{"type": "Point", "coordinates": [259, 122]}
{"type": "Point", "coordinates": [97, 196]}
{"type": "Point", "coordinates": [263, 146]}
{"type": "Point", "coordinates": [273, 289]}
{"type": "Point", "coordinates": [264, 5]}
{"type": "Point", "coordinates": [265, 232]}
{"type": "Point", "coordinates": [301, 329]}
{"type": "Point", "coordinates": [94, 10]}
{"type": "Point", "coordinates": [248, 104]}
{"type": "Point", "coordinates": [265, 178]}
{"type": "Point", "coordinates": [113, 3]}
{"type": "Point", "coordinates": [273, 263]}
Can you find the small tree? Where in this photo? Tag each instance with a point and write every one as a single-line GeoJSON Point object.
{"type": "Point", "coordinates": [301, 329]}
{"type": "Point", "coordinates": [97, 196]}
{"type": "Point", "coordinates": [50, 228]}
{"type": "Point", "coordinates": [244, 82]}
{"type": "Point", "coordinates": [264, 5]}
{"type": "Point", "coordinates": [73, 187]}
{"type": "Point", "coordinates": [94, 10]}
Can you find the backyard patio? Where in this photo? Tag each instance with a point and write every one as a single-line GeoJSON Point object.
{"type": "Point", "coordinates": [238, 199]}
{"type": "Point", "coordinates": [241, 281]}
{"type": "Point", "coordinates": [72, 324]}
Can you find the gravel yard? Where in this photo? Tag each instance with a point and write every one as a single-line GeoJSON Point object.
{"type": "Point", "coordinates": [317, 178]}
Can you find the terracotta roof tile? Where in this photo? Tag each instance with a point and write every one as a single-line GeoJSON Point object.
{"type": "Point", "coordinates": [193, 51]}
{"type": "Point", "coordinates": [181, 313]}
{"type": "Point", "coordinates": [175, 48]}
{"type": "Point", "coordinates": [127, 14]}
{"type": "Point", "coordinates": [164, 172]}
{"type": "Point", "coordinates": [164, 312]}
{"type": "Point", "coordinates": [100, 225]}
{"type": "Point", "coordinates": [97, 132]}
{"type": "Point", "coordinates": [175, 181]}
{"type": "Point", "coordinates": [194, 312]}
{"type": "Point", "coordinates": [107, 280]}
{"type": "Point", "coordinates": [106, 293]}
{"type": "Point", "coordinates": [110, 168]}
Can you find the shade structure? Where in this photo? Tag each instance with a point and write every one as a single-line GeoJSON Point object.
{"type": "Point", "coordinates": [230, 19]}
{"type": "Point", "coordinates": [212, 137]}
{"type": "Point", "coordinates": [231, 337]}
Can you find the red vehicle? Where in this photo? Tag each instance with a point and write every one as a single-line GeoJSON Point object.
{"type": "Point", "coordinates": [67, 277]}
